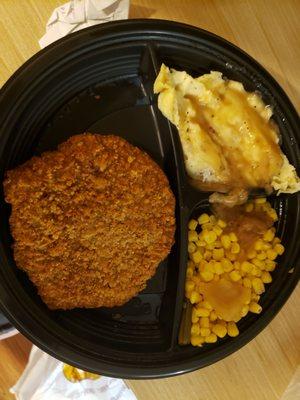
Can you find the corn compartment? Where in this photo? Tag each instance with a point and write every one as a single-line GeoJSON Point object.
{"type": "Point", "coordinates": [227, 271]}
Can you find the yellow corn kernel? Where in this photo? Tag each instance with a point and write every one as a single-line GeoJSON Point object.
{"type": "Point", "coordinates": [212, 338]}
{"type": "Point", "coordinates": [227, 265]}
{"type": "Point", "coordinates": [213, 219]}
{"type": "Point", "coordinates": [232, 237]}
{"type": "Point", "coordinates": [209, 237]}
{"type": "Point", "coordinates": [261, 256]}
{"type": "Point", "coordinates": [272, 214]}
{"type": "Point", "coordinates": [232, 329]}
{"type": "Point", "coordinates": [266, 277]}
{"type": "Point", "coordinates": [216, 278]}
{"type": "Point", "coordinates": [192, 236]}
{"type": "Point", "coordinates": [279, 248]}
{"type": "Point", "coordinates": [189, 285]}
{"type": "Point", "coordinates": [203, 219]}
{"type": "Point", "coordinates": [198, 281]}
{"type": "Point", "coordinates": [191, 264]}
{"type": "Point", "coordinates": [226, 242]}
{"type": "Point", "coordinates": [189, 272]}
{"type": "Point", "coordinates": [197, 256]}
{"type": "Point", "coordinates": [258, 286]}
{"type": "Point", "coordinates": [258, 263]}
{"type": "Point", "coordinates": [230, 256]}
{"type": "Point", "coordinates": [222, 224]}
{"type": "Point", "coordinates": [202, 266]}
{"type": "Point", "coordinates": [263, 267]}
{"type": "Point", "coordinates": [247, 283]}
{"type": "Point", "coordinates": [195, 329]}
{"type": "Point", "coordinates": [196, 340]}
{"type": "Point", "coordinates": [193, 224]}
{"type": "Point", "coordinates": [202, 312]}
{"type": "Point", "coordinates": [255, 308]}
{"type": "Point", "coordinates": [271, 254]}
{"type": "Point", "coordinates": [200, 236]}
{"type": "Point", "coordinates": [195, 279]}
{"type": "Point", "coordinates": [266, 246]}
{"type": "Point", "coordinates": [260, 200]}
{"type": "Point", "coordinates": [191, 247]}
{"type": "Point", "coordinates": [235, 248]}
{"type": "Point", "coordinates": [246, 267]}
{"type": "Point", "coordinates": [275, 241]}
{"type": "Point", "coordinates": [258, 245]}
{"type": "Point", "coordinates": [245, 310]}
{"type": "Point", "coordinates": [270, 265]}
{"type": "Point", "coordinates": [204, 322]}
{"type": "Point", "coordinates": [235, 276]}
{"type": "Point", "coordinates": [251, 254]}
{"type": "Point", "coordinates": [269, 235]}
{"type": "Point", "coordinates": [213, 316]}
{"type": "Point", "coordinates": [218, 254]}
{"type": "Point", "coordinates": [200, 245]}
{"type": "Point", "coordinates": [207, 255]}
{"type": "Point", "coordinates": [219, 330]}
{"type": "Point", "coordinates": [204, 332]}
{"type": "Point", "coordinates": [195, 317]}
{"type": "Point", "coordinates": [218, 268]}
{"type": "Point", "coordinates": [218, 231]}
{"type": "Point", "coordinates": [195, 297]}
{"type": "Point", "coordinates": [236, 265]}
{"type": "Point", "coordinates": [222, 322]}
{"type": "Point", "coordinates": [255, 297]}
{"type": "Point", "coordinates": [218, 244]}
{"type": "Point", "coordinates": [207, 227]}
{"type": "Point", "coordinates": [210, 246]}
{"type": "Point", "coordinates": [249, 207]}
{"type": "Point", "coordinates": [256, 271]}
{"type": "Point", "coordinates": [200, 248]}
{"type": "Point", "coordinates": [210, 266]}
{"type": "Point", "coordinates": [207, 276]}
{"type": "Point", "coordinates": [206, 305]}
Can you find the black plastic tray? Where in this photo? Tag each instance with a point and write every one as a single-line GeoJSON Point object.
{"type": "Point", "coordinates": [5, 325]}
{"type": "Point", "coordinates": [101, 80]}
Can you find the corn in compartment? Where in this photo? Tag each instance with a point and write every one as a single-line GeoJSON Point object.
{"type": "Point", "coordinates": [215, 255]}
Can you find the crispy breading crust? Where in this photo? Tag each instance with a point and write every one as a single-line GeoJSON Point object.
{"type": "Point", "coordinates": [91, 221]}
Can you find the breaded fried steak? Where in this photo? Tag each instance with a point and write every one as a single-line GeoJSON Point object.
{"type": "Point", "coordinates": [91, 221]}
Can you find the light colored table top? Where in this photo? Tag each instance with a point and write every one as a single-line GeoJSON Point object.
{"type": "Point", "coordinates": [269, 31]}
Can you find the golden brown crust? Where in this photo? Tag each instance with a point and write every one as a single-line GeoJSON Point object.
{"type": "Point", "coordinates": [90, 221]}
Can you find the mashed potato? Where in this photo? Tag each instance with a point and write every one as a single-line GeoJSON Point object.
{"type": "Point", "coordinates": [228, 140]}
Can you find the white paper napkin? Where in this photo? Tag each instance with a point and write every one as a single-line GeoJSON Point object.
{"type": "Point", "coordinates": [79, 14]}
{"type": "Point", "coordinates": [43, 379]}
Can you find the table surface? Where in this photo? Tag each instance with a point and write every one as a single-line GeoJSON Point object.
{"type": "Point", "coordinates": [269, 31]}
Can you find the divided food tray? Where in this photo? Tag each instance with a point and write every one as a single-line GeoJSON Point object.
{"type": "Point", "coordinates": [101, 80]}
{"type": "Point", "coordinates": [6, 329]}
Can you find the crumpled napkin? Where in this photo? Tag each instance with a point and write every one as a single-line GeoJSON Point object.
{"type": "Point", "coordinates": [79, 14]}
{"type": "Point", "coordinates": [44, 379]}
